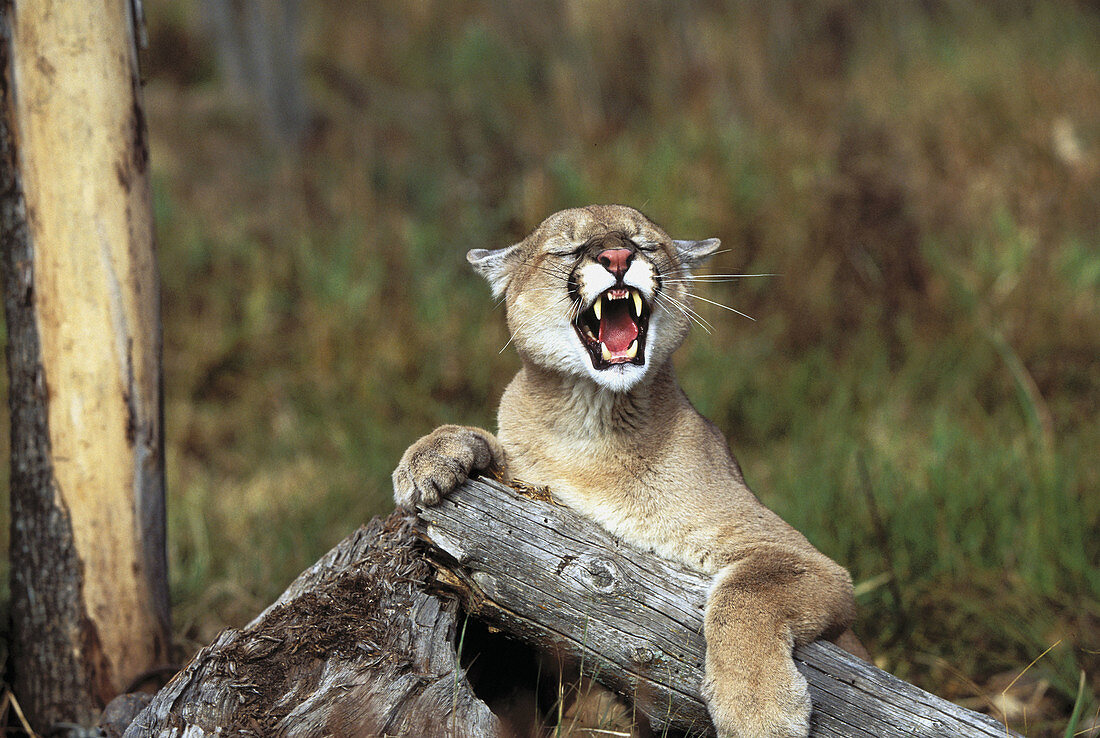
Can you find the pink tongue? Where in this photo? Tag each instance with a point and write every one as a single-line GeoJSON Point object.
{"type": "Point", "coordinates": [617, 329]}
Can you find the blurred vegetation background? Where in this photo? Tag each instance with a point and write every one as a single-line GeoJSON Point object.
{"type": "Point", "coordinates": [919, 392]}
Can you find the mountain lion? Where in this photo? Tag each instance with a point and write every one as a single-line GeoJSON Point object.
{"type": "Point", "coordinates": [595, 302]}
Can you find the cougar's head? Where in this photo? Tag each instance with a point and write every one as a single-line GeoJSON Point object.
{"type": "Point", "coordinates": [596, 291]}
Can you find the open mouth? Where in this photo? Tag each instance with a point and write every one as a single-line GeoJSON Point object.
{"type": "Point", "coordinates": [614, 328]}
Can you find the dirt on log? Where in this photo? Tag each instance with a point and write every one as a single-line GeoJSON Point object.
{"type": "Point", "coordinates": [356, 646]}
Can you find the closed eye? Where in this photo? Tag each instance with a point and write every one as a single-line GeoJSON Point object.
{"type": "Point", "coordinates": [566, 254]}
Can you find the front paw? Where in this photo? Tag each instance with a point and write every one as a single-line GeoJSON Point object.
{"type": "Point", "coordinates": [442, 460]}
{"type": "Point", "coordinates": [758, 698]}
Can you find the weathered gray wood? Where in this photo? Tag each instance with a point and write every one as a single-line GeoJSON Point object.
{"type": "Point", "coordinates": [538, 571]}
{"type": "Point", "coordinates": [356, 646]}
{"type": "Point", "coordinates": [363, 643]}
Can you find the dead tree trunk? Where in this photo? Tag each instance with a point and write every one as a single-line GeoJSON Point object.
{"type": "Point", "coordinates": [89, 596]}
{"type": "Point", "coordinates": [336, 653]}
{"type": "Point", "coordinates": [258, 44]}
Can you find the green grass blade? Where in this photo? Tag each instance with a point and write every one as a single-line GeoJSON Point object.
{"type": "Point", "coordinates": [1078, 708]}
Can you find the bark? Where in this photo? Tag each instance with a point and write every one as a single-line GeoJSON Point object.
{"type": "Point", "coordinates": [368, 641]}
{"type": "Point", "coordinates": [88, 584]}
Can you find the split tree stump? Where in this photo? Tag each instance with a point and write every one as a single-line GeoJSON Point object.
{"type": "Point", "coordinates": [367, 641]}
{"type": "Point", "coordinates": [356, 646]}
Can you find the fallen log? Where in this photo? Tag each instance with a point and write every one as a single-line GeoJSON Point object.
{"type": "Point", "coordinates": [536, 570]}
{"type": "Point", "coordinates": [372, 640]}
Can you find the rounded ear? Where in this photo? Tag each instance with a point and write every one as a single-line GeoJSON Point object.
{"type": "Point", "coordinates": [693, 253]}
{"type": "Point", "coordinates": [495, 266]}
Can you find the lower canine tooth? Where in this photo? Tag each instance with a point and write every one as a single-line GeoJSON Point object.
{"type": "Point", "coordinates": [606, 352]}
{"type": "Point", "coordinates": [632, 351]}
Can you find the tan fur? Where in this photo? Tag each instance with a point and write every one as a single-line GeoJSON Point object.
{"type": "Point", "coordinates": [623, 446]}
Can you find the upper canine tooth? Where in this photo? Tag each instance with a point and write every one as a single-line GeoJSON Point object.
{"type": "Point", "coordinates": [637, 302]}
{"type": "Point", "coordinates": [597, 307]}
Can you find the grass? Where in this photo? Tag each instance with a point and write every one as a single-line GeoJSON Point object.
{"type": "Point", "coordinates": [925, 182]}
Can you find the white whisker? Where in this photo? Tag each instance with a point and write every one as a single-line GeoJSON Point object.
{"type": "Point", "coordinates": [689, 313]}
{"type": "Point", "coordinates": [724, 307]}
{"type": "Point", "coordinates": [715, 277]}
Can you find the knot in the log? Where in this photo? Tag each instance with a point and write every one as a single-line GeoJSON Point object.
{"type": "Point", "coordinates": [594, 573]}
